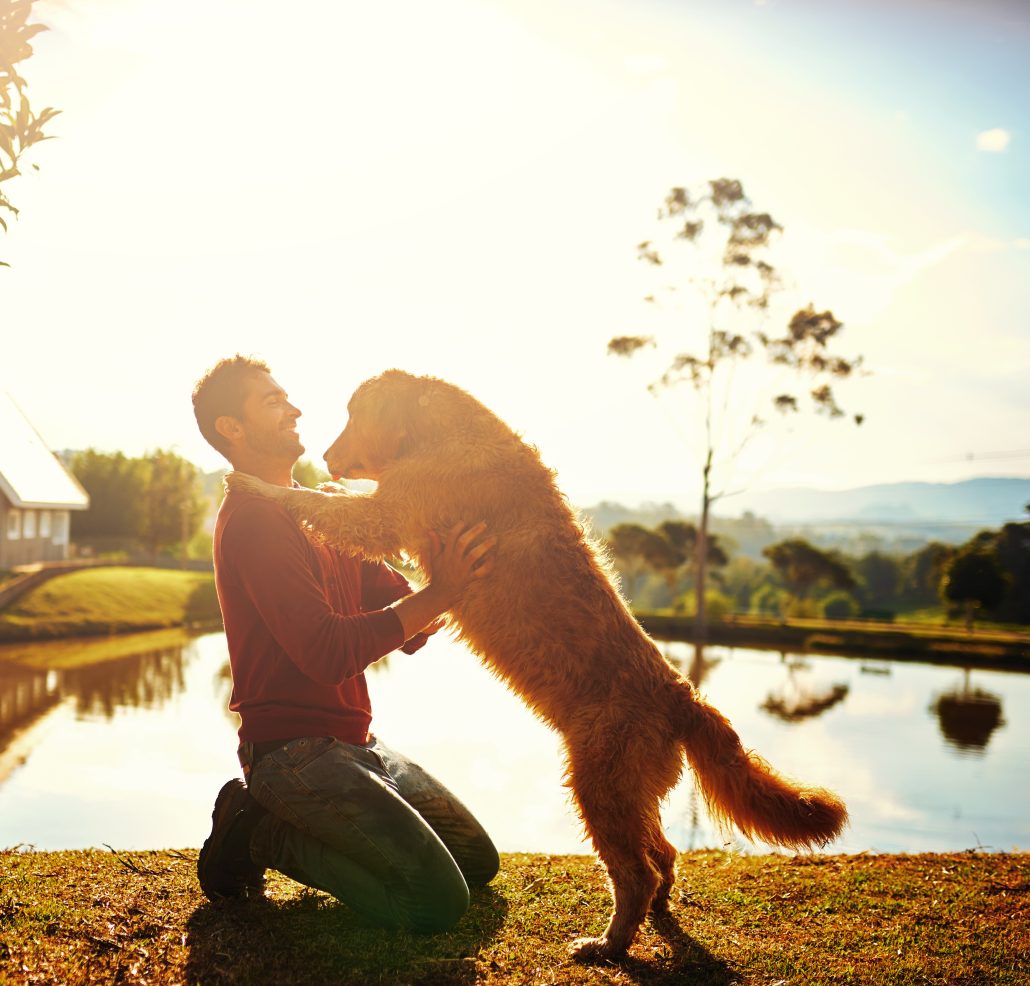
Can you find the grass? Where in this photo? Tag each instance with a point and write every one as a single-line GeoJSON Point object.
{"type": "Point", "coordinates": [111, 600]}
{"type": "Point", "coordinates": [993, 646]}
{"type": "Point", "coordinates": [81, 652]}
{"type": "Point", "coordinates": [105, 917]}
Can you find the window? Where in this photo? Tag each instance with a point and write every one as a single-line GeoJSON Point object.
{"type": "Point", "coordinates": [13, 524]}
{"type": "Point", "coordinates": [28, 525]}
{"type": "Point", "coordinates": [44, 523]}
{"type": "Point", "coordinates": [60, 527]}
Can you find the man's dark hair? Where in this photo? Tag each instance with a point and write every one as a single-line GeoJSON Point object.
{"type": "Point", "coordinates": [222, 391]}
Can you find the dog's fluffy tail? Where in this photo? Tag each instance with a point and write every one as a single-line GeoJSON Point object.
{"type": "Point", "coordinates": [740, 787]}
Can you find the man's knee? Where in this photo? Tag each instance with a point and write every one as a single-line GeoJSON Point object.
{"type": "Point", "coordinates": [440, 905]}
{"type": "Point", "coordinates": [483, 866]}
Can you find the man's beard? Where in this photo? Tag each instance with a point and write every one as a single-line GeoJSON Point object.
{"type": "Point", "coordinates": [277, 444]}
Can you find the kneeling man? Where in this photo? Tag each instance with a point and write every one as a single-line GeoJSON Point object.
{"type": "Point", "coordinates": [325, 801]}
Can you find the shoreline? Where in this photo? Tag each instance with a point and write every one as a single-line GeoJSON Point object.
{"type": "Point", "coordinates": [111, 601]}
{"type": "Point", "coordinates": [986, 647]}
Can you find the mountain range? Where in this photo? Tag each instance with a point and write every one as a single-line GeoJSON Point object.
{"type": "Point", "coordinates": [986, 502]}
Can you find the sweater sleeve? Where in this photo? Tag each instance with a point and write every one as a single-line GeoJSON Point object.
{"type": "Point", "coordinates": [381, 585]}
{"type": "Point", "coordinates": [270, 557]}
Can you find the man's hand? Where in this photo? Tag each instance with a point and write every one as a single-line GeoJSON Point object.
{"type": "Point", "coordinates": [435, 627]}
{"type": "Point", "coordinates": [452, 562]}
{"type": "Point", "coordinates": [458, 558]}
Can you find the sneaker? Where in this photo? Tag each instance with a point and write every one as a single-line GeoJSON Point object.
{"type": "Point", "coordinates": [224, 867]}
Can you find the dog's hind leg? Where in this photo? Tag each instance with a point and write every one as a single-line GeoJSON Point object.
{"type": "Point", "coordinates": [662, 855]}
{"type": "Point", "coordinates": [618, 829]}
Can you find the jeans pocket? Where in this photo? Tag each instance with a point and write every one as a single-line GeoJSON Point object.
{"type": "Point", "coordinates": [298, 753]}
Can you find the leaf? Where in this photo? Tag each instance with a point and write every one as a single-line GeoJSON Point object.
{"type": "Point", "coordinates": [32, 30]}
{"type": "Point", "coordinates": [628, 345]}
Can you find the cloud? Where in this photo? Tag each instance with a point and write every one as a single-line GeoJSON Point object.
{"type": "Point", "coordinates": [996, 140]}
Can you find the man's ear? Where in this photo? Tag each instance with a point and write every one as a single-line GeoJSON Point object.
{"type": "Point", "coordinates": [229, 427]}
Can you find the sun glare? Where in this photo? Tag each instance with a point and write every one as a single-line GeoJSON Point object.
{"type": "Point", "coordinates": [458, 189]}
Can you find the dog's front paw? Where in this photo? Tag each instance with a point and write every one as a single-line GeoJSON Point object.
{"type": "Point", "coordinates": [592, 951]}
{"type": "Point", "coordinates": [241, 482]}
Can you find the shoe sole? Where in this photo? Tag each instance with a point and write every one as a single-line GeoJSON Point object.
{"type": "Point", "coordinates": [231, 800]}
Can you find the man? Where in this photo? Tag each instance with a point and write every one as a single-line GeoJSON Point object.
{"type": "Point", "coordinates": [325, 801]}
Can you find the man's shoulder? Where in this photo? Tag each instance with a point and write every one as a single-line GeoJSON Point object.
{"type": "Point", "coordinates": [243, 513]}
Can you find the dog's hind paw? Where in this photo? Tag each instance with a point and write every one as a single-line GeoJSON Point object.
{"type": "Point", "coordinates": [592, 951]}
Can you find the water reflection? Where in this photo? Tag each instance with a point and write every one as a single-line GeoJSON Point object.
{"type": "Point", "coordinates": [25, 696]}
{"type": "Point", "coordinates": [223, 689]}
{"type": "Point", "coordinates": [126, 742]}
{"type": "Point", "coordinates": [800, 698]}
{"type": "Point", "coordinates": [968, 717]}
{"type": "Point", "coordinates": [105, 680]}
{"type": "Point", "coordinates": [701, 663]}
{"type": "Point", "coordinates": [145, 680]}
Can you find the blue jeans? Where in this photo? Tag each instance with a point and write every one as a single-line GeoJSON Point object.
{"type": "Point", "coordinates": [370, 827]}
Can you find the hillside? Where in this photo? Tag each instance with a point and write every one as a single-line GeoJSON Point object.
{"type": "Point", "coordinates": [984, 502]}
{"type": "Point", "coordinates": [892, 517]}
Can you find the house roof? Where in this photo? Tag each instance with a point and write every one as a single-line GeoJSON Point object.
{"type": "Point", "coordinates": [31, 476]}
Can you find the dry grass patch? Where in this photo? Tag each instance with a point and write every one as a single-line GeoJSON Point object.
{"type": "Point", "coordinates": [102, 917]}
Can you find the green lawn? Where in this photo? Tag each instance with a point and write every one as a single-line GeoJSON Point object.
{"type": "Point", "coordinates": [111, 600]}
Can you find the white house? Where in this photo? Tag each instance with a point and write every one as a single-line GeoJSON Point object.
{"type": "Point", "coordinates": [36, 493]}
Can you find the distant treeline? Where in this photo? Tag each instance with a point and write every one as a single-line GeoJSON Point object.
{"type": "Point", "coordinates": [989, 575]}
{"type": "Point", "coordinates": [157, 504]}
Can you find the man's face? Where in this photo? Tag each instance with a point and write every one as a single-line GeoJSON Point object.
{"type": "Point", "coordinates": [269, 420]}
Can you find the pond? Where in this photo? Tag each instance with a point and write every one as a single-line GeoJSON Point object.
{"type": "Point", "coordinates": [129, 750]}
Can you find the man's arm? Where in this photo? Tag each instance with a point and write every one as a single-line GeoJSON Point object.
{"type": "Point", "coordinates": [269, 556]}
{"type": "Point", "coordinates": [347, 520]}
{"type": "Point", "coordinates": [381, 584]}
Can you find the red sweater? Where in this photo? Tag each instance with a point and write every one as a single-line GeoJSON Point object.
{"type": "Point", "coordinates": [302, 622]}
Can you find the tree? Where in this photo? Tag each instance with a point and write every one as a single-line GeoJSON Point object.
{"type": "Point", "coordinates": [802, 566]}
{"type": "Point", "coordinates": [174, 502]}
{"type": "Point", "coordinates": [839, 606]}
{"type": "Point", "coordinates": [879, 577]}
{"type": "Point", "coordinates": [683, 536]}
{"type": "Point", "coordinates": [664, 550]}
{"type": "Point", "coordinates": [20, 126]}
{"type": "Point", "coordinates": [741, 580]}
{"type": "Point", "coordinates": [726, 243]}
{"type": "Point", "coordinates": [638, 550]}
{"type": "Point", "coordinates": [155, 501]}
{"type": "Point", "coordinates": [974, 581]}
{"type": "Point", "coordinates": [921, 573]}
{"type": "Point", "coordinates": [116, 485]}
{"type": "Point", "coordinates": [1011, 550]}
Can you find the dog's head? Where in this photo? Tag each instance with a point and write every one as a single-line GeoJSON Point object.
{"type": "Point", "coordinates": [387, 419]}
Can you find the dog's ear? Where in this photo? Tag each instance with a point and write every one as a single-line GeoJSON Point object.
{"type": "Point", "coordinates": [388, 445]}
{"type": "Point", "coordinates": [391, 404]}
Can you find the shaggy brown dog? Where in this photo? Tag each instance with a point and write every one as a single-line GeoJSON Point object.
{"type": "Point", "coordinates": [549, 621]}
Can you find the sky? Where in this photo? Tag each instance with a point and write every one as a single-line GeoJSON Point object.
{"type": "Point", "coordinates": [458, 189]}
